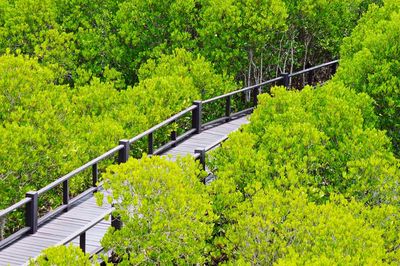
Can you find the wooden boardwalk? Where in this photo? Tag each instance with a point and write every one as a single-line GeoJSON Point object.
{"type": "Point", "coordinates": [86, 210]}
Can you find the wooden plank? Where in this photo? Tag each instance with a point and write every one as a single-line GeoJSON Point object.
{"type": "Point", "coordinates": [206, 140]}
{"type": "Point", "coordinates": [21, 253]}
{"type": "Point", "coordinates": [237, 122]}
{"type": "Point", "coordinates": [12, 261]}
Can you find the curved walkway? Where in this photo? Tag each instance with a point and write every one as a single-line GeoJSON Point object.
{"type": "Point", "coordinates": [86, 210]}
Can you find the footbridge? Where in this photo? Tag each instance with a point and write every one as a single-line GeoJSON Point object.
{"type": "Point", "coordinates": [79, 220]}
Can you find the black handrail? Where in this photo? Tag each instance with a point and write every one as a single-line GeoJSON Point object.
{"type": "Point", "coordinates": [31, 200]}
{"type": "Point", "coordinates": [82, 232]}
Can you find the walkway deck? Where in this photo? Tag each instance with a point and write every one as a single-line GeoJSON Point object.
{"type": "Point", "coordinates": [54, 231]}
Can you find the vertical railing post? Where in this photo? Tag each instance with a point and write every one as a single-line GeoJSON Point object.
{"type": "Point", "coordinates": [197, 116]}
{"type": "Point", "coordinates": [334, 68]}
{"type": "Point", "coordinates": [95, 175]}
{"type": "Point", "coordinates": [150, 144]}
{"type": "Point", "coordinates": [285, 80]}
{"type": "Point", "coordinates": [310, 78]}
{"type": "Point", "coordinates": [173, 138]}
{"type": "Point", "coordinates": [116, 221]}
{"type": "Point", "coordinates": [123, 155]}
{"type": "Point", "coordinates": [31, 212]}
{"type": "Point", "coordinates": [82, 241]}
{"type": "Point", "coordinates": [255, 96]}
{"type": "Point", "coordinates": [66, 194]}
{"type": "Point", "coordinates": [202, 157]}
{"type": "Point", "coordinates": [228, 108]}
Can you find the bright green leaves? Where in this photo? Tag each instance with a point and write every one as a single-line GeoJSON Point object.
{"type": "Point", "coordinates": [370, 63]}
{"type": "Point", "coordinates": [308, 181]}
{"type": "Point", "coordinates": [250, 40]}
{"type": "Point", "coordinates": [20, 79]}
{"type": "Point", "coordinates": [165, 210]}
{"type": "Point", "coordinates": [235, 34]}
{"type": "Point", "coordinates": [25, 24]}
{"type": "Point", "coordinates": [48, 130]}
{"type": "Point", "coordinates": [62, 255]}
{"type": "Point", "coordinates": [312, 139]}
{"type": "Point", "coordinates": [148, 29]}
{"type": "Point", "coordinates": [283, 228]}
{"type": "Point", "coordinates": [181, 63]}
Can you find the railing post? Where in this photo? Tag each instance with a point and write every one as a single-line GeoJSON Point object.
{"type": "Point", "coordinates": [123, 155]}
{"type": "Point", "coordinates": [202, 157]}
{"type": "Point", "coordinates": [116, 222]}
{"type": "Point", "coordinates": [173, 138]}
{"type": "Point", "coordinates": [333, 69]}
{"type": "Point", "coordinates": [228, 108]}
{"type": "Point", "coordinates": [31, 212]}
{"type": "Point", "coordinates": [66, 194]}
{"type": "Point", "coordinates": [310, 78]}
{"type": "Point", "coordinates": [197, 116]}
{"type": "Point", "coordinates": [285, 80]}
{"type": "Point", "coordinates": [255, 95]}
{"type": "Point", "coordinates": [150, 144]}
{"type": "Point", "coordinates": [82, 241]}
{"type": "Point", "coordinates": [95, 175]}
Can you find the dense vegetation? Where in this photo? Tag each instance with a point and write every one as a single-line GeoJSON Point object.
{"type": "Point", "coordinates": [48, 130]}
{"type": "Point", "coordinates": [370, 63]}
{"type": "Point", "coordinates": [313, 179]}
{"type": "Point", "coordinates": [307, 158]}
{"type": "Point", "coordinates": [165, 211]}
{"type": "Point", "coordinates": [62, 255]}
{"type": "Point", "coordinates": [111, 39]}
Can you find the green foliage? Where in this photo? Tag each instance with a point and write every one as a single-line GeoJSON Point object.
{"type": "Point", "coordinates": [148, 29]}
{"type": "Point", "coordinates": [164, 208]}
{"type": "Point", "coordinates": [48, 130]}
{"type": "Point", "coordinates": [184, 64]}
{"type": "Point", "coordinates": [278, 180]}
{"type": "Point", "coordinates": [321, 139]}
{"type": "Point", "coordinates": [370, 63]}
{"type": "Point", "coordinates": [236, 35]}
{"type": "Point", "coordinates": [74, 38]}
{"type": "Point", "coordinates": [284, 228]}
{"type": "Point", "coordinates": [62, 255]}
{"type": "Point", "coordinates": [318, 27]}
{"type": "Point", "coordinates": [25, 24]}
{"type": "Point", "coordinates": [248, 39]}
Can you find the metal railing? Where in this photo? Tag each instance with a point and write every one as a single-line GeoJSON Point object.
{"type": "Point", "coordinates": [32, 220]}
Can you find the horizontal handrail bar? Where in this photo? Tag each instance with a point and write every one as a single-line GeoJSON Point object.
{"type": "Point", "coordinates": [242, 113]}
{"type": "Point", "coordinates": [48, 216]}
{"type": "Point", "coordinates": [13, 237]}
{"type": "Point", "coordinates": [313, 68]}
{"type": "Point", "coordinates": [80, 169]}
{"type": "Point", "coordinates": [216, 143]}
{"type": "Point", "coordinates": [216, 121]}
{"type": "Point", "coordinates": [185, 135]}
{"type": "Point", "coordinates": [85, 228]}
{"type": "Point", "coordinates": [243, 90]}
{"type": "Point", "coordinates": [171, 143]}
{"type": "Point", "coordinates": [14, 207]}
{"type": "Point", "coordinates": [164, 123]}
{"type": "Point", "coordinates": [96, 252]}
{"type": "Point", "coordinates": [62, 208]}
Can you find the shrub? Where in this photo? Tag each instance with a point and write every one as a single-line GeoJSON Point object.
{"type": "Point", "coordinates": [164, 208]}
{"type": "Point", "coordinates": [185, 64]}
{"type": "Point", "coordinates": [283, 228]}
{"type": "Point", "coordinates": [62, 255]}
{"type": "Point", "coordinates": [322, 140]}
{"type": "Point", "coordinates": [369, 63]}
{"type": "Point", "coordinates": [235, 35]}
